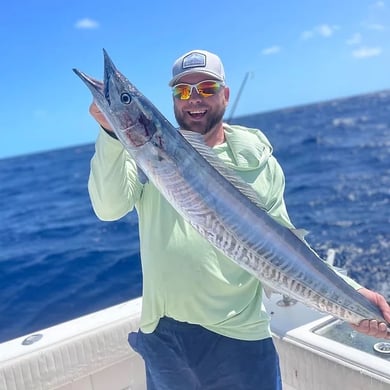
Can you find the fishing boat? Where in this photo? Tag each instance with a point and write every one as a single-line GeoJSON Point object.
{"type": "Point", "coordinates": [317, 352]}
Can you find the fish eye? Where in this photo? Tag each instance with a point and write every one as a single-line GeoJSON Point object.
{"type": "Point", "coordinates": [125, 98]}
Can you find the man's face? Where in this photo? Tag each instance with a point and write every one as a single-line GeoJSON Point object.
{"type": "Point", "coordinates": [198, 113]}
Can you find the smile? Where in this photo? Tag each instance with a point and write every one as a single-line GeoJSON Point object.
{"type": "Point", "coordinates": [197, 113]}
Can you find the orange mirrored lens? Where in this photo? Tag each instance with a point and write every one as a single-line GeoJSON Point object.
{"type": "Point", "coordinates": [182, 91]}
{"type": "Point", "coordinates": [208, 88]}
{"type": "Point", "coordinates": [204, 88]}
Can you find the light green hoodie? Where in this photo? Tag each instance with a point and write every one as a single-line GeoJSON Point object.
{"type": "Point", "coordinates": [185, 277]}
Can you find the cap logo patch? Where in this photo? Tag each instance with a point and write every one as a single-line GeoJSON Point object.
{"type": "Point", "coordinates": [194, 60]}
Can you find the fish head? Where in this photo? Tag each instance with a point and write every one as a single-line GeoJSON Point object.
{"type": "Point", "coordinates": [122, 105]}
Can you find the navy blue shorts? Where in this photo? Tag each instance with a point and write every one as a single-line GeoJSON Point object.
{"type": "Point", "coordinates": [181, 356]}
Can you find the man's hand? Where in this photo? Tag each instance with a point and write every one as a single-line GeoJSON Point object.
{"type": "Point", "coordinates": [99, 116]}
{"type": "Point", "coordinates": [373, 327]}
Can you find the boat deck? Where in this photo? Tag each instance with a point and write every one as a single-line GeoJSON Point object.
{"type": "Point", "coordinates": [92, 353]}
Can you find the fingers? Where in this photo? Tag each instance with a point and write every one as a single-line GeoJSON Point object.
{"type": "Point", "coordinates": [373, 328]}
{"type": "Point", "coordinates": [95, 111]}
{"type": "Point", "coordinates": [99, 116]}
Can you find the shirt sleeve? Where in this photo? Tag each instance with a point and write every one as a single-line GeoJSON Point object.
{"type": "Point", "coordinates": [113, 185]}
{"type": "Point", "coordinates": [274, 196]}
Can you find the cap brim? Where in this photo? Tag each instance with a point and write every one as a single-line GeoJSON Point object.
{"type": "Point", "coordinates": [177, 78]}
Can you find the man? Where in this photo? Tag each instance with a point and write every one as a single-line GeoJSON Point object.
{"type": "Point", "coordinates": [203, 324]}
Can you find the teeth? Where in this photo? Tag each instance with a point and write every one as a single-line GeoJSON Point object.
{"type": "Point", "coordinates": [197, 112]}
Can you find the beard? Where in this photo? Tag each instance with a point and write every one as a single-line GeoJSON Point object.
{"type": "Point", "coordinates": [210, 120]}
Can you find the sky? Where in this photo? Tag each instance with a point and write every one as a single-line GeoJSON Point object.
{"type": "Point", "coordinates": [295, 52]}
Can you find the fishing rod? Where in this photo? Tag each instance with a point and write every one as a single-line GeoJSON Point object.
{"type": "Point", "coordinates": [235, 103]}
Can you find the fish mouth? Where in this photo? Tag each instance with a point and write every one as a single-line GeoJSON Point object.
{"type": "Point", "coordinates": [99, 89]}
{"type": "Point", "coordinates": [94, 85]}
{"type": "Point", "coordinates": [102, 91]}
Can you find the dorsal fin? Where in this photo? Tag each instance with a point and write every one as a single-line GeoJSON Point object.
{"type": "Point", "coordinates": [197, 142]}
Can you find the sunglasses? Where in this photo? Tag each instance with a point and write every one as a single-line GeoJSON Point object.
{"type": "Point", "coordinates": [205, 88]}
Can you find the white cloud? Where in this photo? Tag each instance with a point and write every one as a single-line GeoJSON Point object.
{"type": "Point", "coordinates": [87, 23]}
{"type": "Point", "coordinates": [323, 30]}
{"type": "Point", "coordinates": [378, 27]}
{"type": "Point", "coordinates": [355, 39]}
{"type": "Point", "coordinates": [365, 52]}
{"type": "Point", "coordinates": [271, 50]}
{"type": "Point", "coordinates": [379, 4]}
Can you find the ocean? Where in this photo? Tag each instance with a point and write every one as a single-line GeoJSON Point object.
{"type": "Point", "coordinates": [58, 261]}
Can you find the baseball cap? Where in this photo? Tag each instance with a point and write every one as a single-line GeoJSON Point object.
{"type": "Point", "coordinates": [197, 61]}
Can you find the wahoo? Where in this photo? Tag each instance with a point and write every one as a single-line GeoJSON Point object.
{"type": "Point", "coordinates": [218, 204]}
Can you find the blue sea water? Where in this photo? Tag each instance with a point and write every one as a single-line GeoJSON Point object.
{"type": "Point", "coordinates": [58, 261]}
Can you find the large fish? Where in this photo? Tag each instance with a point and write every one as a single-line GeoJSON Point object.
{"type": "Point", "coordinates": [218, 204]}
